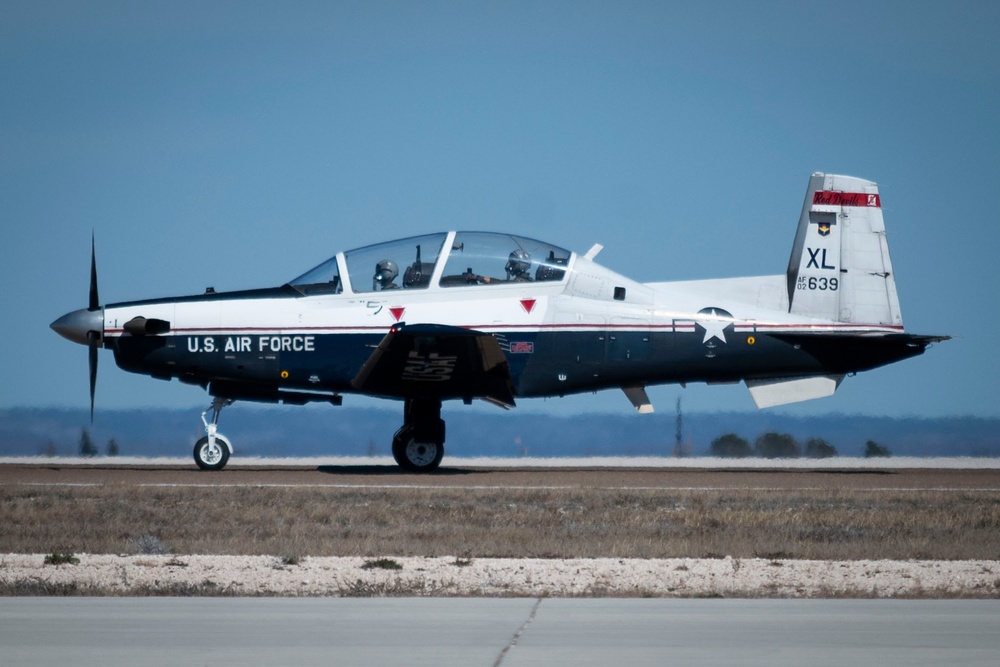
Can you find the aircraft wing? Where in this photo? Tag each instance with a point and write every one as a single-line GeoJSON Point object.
{"type": "Point", "coordinates": [437, 361]}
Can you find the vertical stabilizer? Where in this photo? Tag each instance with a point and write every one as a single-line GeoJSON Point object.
{"type": "Point", "coordinates": [840, 268]}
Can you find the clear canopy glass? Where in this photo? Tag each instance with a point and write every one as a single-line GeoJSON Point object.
{"type": "Point", "coordinates": [486, 258]}
{"type": "Point", "coordinates": [474, 258]}
{"type": "Point", "coordinates": [406, 263]}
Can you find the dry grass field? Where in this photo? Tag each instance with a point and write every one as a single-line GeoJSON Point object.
{"type": "Point", "coordinates": [293, 522]}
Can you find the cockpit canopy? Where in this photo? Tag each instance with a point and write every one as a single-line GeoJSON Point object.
{"type": "Point", "coordinates": [473, 258]}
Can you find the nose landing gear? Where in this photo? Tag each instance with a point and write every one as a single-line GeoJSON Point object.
{"type": "Point", "coordinates": [212, 451]}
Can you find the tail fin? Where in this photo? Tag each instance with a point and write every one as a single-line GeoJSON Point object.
{"type": "Point", "coordinates": [839, 268]}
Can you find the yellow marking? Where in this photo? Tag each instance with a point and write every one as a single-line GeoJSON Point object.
{"type": "Point", "coordinates": [751, 340]}
{"type": "Point", "coordinates": [284, 375]}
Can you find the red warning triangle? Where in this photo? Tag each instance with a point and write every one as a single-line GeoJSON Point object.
{"type": "Point", "coordinates": [528, 305]}
{"type": "Point", "coordinates": [397, 312]}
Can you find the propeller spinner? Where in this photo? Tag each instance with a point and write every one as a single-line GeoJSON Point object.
{"type": "Point", "coordinates": [86, 326]}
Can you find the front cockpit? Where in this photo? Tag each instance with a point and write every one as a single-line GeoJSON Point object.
{"type": "Point", "coordinates": [446, 260]}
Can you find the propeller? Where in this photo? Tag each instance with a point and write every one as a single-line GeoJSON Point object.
{"type": "Point", "coordinates": [93, 337]}
{"type": "Point", "coordinates": [86, 326]}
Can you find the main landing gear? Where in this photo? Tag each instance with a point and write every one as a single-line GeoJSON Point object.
{"type": "Point", "coordinates": [212, 451]}
{"type": "Point", "coordinates": [418, 445]}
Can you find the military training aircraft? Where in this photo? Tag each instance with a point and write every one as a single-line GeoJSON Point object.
{"type": "Point", "coordinates": [482, 315]}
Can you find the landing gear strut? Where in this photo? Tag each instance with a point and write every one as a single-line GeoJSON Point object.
{"type": "Point", "coordinates": [212, 451]}
{"type": "Point", "coordinates": [419, 443]}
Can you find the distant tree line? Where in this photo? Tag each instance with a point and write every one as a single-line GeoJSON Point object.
{"type": "Point", "coordinates": [773, 445]}
{"type": "Point", "coordinates": [87, 446]}
{"type": "Point", "coordinates": [769, 445]}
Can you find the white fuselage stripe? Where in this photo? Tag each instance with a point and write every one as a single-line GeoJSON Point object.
{"type": "Point", "coordinates": [534, 328]}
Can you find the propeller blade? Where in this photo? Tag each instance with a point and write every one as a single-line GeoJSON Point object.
{"type": "Point", "coordinates": [95, 301]}
{"type": "Point", "coordinates": [92, 342]}
{"type": "Point", "coordinates": [93, 337]}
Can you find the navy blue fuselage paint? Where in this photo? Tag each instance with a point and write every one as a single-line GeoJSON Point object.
{"type": "Point", "coordinates": [541, 363]}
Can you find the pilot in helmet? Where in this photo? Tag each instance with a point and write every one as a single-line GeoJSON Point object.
{"type": "Point", "coordinates": [385, 272]}
{"type": "Point", "coordinates": [518, 264]}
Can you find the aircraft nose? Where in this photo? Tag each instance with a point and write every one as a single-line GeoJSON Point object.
{"type": "Point", "coordinates": [76, 326]}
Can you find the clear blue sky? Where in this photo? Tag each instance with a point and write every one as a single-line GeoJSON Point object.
{"type": "Point", "coordinates": [236, 144]}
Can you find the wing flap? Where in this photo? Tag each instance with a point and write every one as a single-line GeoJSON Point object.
{"type": "Point", "coordinates": [437, 361]}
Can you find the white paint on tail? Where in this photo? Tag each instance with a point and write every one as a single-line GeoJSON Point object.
{"type": "Point", "coordinates": [839, 268]}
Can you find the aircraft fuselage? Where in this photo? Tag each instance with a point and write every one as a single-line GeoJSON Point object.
{"type": "Point", "coordinates": [556, 341]}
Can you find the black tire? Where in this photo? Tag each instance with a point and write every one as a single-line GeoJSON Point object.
{"type": "Point", "coordinates": [399, 440]}
{"type": "Point", "coordinates": [416, 456]}
{"type": "Point", "coordinates": [208, 460]}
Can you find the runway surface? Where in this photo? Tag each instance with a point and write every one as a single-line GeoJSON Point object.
{"type": "Point", "coordinates": [508, 632]}
{"type": "Point", "coordinates": [498, 633]}
{"type": "Point", "coordinates": [389, 476]}
{"type": "Point", "coordinates": [799, 562]}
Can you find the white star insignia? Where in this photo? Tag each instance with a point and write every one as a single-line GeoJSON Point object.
{"type": "Point", "coordinates": [714, 327]}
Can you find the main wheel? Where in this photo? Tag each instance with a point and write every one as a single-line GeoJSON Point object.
{"type": "Point", "coordinates": [413, 455]}
{"type": "Point", "coordinates": [211, 457]}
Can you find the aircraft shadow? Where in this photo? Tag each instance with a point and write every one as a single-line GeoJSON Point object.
{"type": "Point", "coordinates": [394, 471]}
{"type": "Point", "coordinates": [799, 471]}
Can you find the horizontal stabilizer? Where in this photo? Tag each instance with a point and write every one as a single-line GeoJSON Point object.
{"type": "Point", "coordinates": [770, 393]}
{"type": "Point", "coordinates": [840, 353]}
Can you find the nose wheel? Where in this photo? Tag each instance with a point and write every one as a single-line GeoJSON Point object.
{"type": "Point", "coordinates": [212, 455]}
{"type": "Point", "coordinates": [212, 450]}
{"type": "Point", "coordinates": [418, 445]}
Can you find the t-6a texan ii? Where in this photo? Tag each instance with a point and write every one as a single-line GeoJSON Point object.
{"type": "Point", "coordinates": [497, 317]}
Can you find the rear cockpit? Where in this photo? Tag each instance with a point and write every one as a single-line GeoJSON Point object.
{"type": "Point", "coordinates": [447, 260]}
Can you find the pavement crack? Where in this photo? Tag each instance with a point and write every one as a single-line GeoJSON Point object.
{"type": "Point", "coordinates": [517, 635]}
